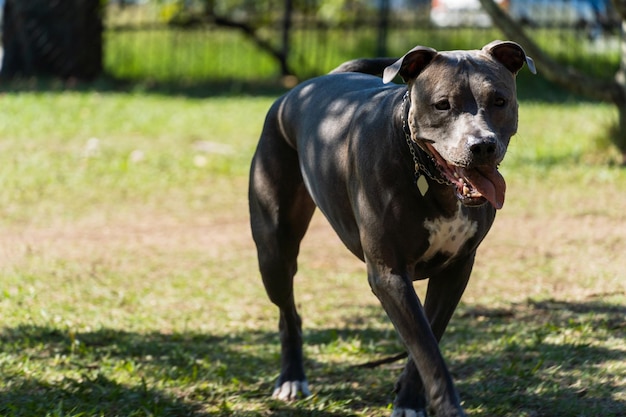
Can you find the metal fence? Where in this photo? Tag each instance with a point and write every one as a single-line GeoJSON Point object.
{"type": "Point", "coordinates": [152, 40]}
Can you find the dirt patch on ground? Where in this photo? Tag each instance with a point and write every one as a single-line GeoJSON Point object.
{"type": "Point", "coordinates": [153, 231]}
{"type": "Point", "coordinates": [525, 255]}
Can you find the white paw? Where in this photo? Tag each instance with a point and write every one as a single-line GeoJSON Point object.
{"type": "Point", "coordinates": [405, 412]}
{"type": "Point", "coordinates": [291, 390]}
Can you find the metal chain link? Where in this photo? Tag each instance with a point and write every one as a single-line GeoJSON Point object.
{"type": "Point", "coordinates": [419, 166]}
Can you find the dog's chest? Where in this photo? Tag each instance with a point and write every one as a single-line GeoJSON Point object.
{"type": "Point", "coordinates": [447, 235]}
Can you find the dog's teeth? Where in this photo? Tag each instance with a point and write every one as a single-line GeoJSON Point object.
{"type": "Point", "coordinates": [466, 190]}
{"type": "Point", "coordinates": [456, 175]}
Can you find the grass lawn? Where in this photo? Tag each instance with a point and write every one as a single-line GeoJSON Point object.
{"type": "Point", "coordinates": [130, 285]}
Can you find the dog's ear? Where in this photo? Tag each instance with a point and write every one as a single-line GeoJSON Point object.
{"type": "Point", "coordinates": [410, 65]}
{"type": "Point", "coordinates": [511, 55]}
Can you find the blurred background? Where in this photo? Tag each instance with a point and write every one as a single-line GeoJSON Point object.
{"type": "Point", "coordinates": [129, 280]}
{"type": "Point", "coordinates": [260, 40]}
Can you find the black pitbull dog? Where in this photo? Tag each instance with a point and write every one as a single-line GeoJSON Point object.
{"type": "Point", "coordinates": [408, 178]}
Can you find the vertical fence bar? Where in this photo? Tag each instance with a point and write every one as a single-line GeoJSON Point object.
{"type": "Point", "coordinates": [383, 27]}
{"type": "Point", "coordinates": [286, 32]}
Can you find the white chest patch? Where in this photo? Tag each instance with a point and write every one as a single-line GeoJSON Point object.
{"type": "Point", "coordinates": [448, 234]}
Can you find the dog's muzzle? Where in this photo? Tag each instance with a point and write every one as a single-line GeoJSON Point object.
{"type": "Point", "coordinates": [474, 185]}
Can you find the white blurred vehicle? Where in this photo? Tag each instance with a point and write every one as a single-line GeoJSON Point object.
{"type": "Point", "coordinates": [569, 13]}
{"type": "Point", "coordinates": [458, 13]}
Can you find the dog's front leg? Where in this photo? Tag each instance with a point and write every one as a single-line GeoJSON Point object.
{"type": "Point", "coordinates": [398, 298]}
{"type": "Point", "coordinates": [443, 295]}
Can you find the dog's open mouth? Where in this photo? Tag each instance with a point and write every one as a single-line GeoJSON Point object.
{"type": "Point", "coordinates": [474, 186]}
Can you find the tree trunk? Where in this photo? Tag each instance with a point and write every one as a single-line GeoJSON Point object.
{"type": "Point", "coordinates": [286, 32]}
{"type": "Point", "coordinates": [620, 79]}
{"type": "Point", "coordinates": [58, 38]}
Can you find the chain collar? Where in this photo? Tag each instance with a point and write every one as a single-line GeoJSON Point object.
{"type": "Point", "coordinates": [424, 163]}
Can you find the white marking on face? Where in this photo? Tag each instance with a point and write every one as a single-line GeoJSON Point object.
{"type": "Point", "coordinates": [448, 234]}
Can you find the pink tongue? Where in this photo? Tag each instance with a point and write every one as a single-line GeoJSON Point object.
{"type": "Point", "coordinates": [489, 182]}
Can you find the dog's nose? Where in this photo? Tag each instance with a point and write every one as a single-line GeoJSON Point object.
{"type": "Point", "coordinates": [483, 149]}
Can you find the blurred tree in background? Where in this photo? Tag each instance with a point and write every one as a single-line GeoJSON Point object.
{"type": "Point", "coordinates": [251, 16]}
{"type": "Point", "coordinates": [59, 38]}
{"type": "Point", "coordinates": [608, 90]}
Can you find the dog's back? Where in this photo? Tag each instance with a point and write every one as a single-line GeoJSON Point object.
{"type": "Point", "coordinates": [372, 66]}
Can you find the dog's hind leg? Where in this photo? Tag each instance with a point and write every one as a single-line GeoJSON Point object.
{"type": "Point", "coordinates": [280, 212]}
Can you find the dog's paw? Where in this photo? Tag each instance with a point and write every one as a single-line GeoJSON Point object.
{"type": "Point", "coordinates": [291, 390]}
{"type": "Point", "coordinates": [406, 412]}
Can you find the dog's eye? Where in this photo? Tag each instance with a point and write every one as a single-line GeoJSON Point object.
{"type": "Point", "coordinates": [499, 102]}
{"type": "Point", "coordinates": [442, 105]}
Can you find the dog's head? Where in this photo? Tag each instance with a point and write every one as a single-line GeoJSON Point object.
{"type": "Point", "coordinates": [463, 112]}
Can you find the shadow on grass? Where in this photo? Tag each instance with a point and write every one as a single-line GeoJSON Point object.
{"type": "Point", "coordinates": [540, 358]}
{"type": "Point", "coordinates": [86, 395]}
{"type": "Point", "coordinates": [197, 89]}
{"type": "Point", "coordinates": [529, 87]}
{"type": "Point", "coordinates": [116, 373]}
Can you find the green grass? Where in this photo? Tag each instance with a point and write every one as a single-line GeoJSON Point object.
{"type": "Point", "coordinates": [116, 148]}
{"type": "Point", "coordinates": [170, 54]}
{"type": "Point", "coordinates": [130, 286]}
